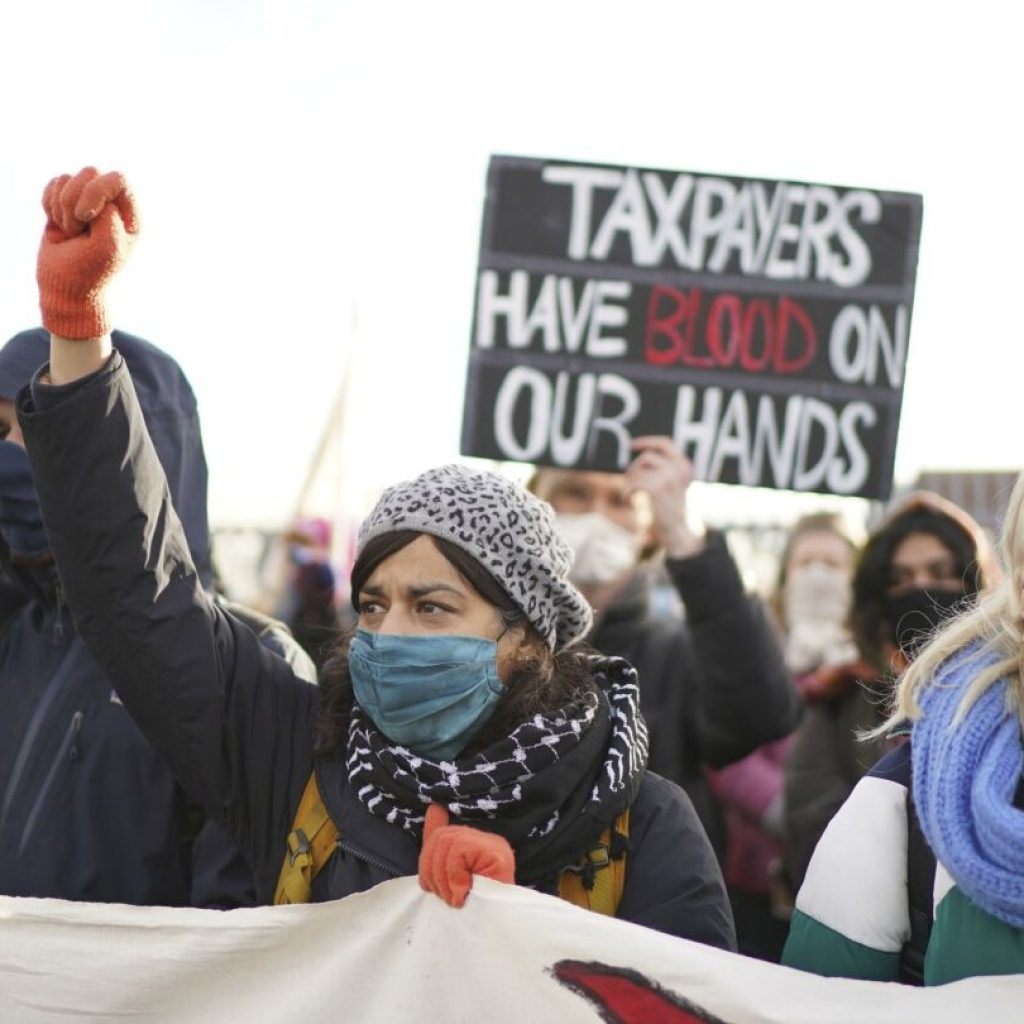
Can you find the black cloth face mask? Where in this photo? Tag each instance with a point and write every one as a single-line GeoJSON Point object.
{"type": "Point", "coordinates": [912, 616]}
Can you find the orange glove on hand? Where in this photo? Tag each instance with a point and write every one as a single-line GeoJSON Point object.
{"type": "Point", "coordinates": [453, 854]}
{"type": "Point", "coordinates": [90, 228]}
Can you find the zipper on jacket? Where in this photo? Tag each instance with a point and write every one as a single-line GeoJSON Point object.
{"type": "Point", "coordinates": [29, 739]}
{"type": "Point", "coordinates": [58, 622]}
{"type": "Point", "coordinates": [68, 751]}
{"type": "Point", "coordinates": [367, 859]}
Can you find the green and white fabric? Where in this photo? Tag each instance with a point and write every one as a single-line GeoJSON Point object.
{"type": "Point", "coordinates": [852, 914]}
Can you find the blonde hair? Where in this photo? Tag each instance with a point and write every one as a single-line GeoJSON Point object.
{"type": "Point", "coordinates": [995, 624]}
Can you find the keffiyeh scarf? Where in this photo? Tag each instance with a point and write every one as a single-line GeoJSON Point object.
{"type": "Point", "coordinates": [965, 777]}
{"type": "Point", "coordinates": [549, 787]}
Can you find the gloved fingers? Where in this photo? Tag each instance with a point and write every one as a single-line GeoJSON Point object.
{"type": "Point", "coordinates": [437, 817]}
{"type": "Point", "coordinates": [53, 232]}
{"type": "Point", "coordinates": [52, 190]}
{"type": "Point", "coordinates": [497, 862]}
{"type": "Point", "coordinates": [439, 869]}
{"type": "Point", "coordinates": [431, 859]}
{"type": "Point", "coordinates": [426, 864]}
{"type": "Point", "coordinates": [458, 878]}
{"type": "Point", "coordinates": [103, 190]}
{"type": "Point", "coordinates": [66, 201]}
{"type": "Point", "coordinates": [107, 224]}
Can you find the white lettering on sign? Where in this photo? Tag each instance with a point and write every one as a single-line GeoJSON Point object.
{"type": "Point", "coordinates": [562, 320]}
{"type": "Point", "coordinates": [793, 232]}
{"type": "Point", "coordinates": [561, 424]}
{"type": "Point", "coordinates": [813, 446]}
{"type": "Point", "coordinates": [860, 339]}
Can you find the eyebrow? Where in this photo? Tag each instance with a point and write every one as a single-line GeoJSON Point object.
{"type": "Point", "coordinates": [415, 592]}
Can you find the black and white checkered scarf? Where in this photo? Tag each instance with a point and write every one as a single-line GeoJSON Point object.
{"type": "Point", "coordinates": [550, 787]}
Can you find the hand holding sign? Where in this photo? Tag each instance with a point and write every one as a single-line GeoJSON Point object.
{"type": "Point", "coordinates": [665, 475]}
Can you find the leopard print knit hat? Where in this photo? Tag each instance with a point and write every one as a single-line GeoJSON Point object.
{"type": "Point", "coordinates": [505, 528]}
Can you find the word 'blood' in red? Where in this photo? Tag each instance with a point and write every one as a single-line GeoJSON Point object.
{"type": "Point", "coordinates": [756, 335]}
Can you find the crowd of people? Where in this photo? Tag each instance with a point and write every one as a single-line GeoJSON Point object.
{"type": "Point", "coordinates": [831, 778]}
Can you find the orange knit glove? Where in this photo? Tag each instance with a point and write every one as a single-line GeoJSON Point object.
{"type": "Point", "coordinates": [453, 854]}
{"type": "Point", "coordinates": [90, 228]}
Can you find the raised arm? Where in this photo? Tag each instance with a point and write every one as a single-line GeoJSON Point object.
{"type": "Point", "coordinates": [740, 692]}
{"type": "Point", "coordinates": [230, 718]}
{"type": "Point", "coordinates": [743, 693]}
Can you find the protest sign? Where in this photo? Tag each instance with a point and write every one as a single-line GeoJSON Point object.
{"type": "Point", "coordinates": [398, 954]}
{"type": "Point", "coordinates": [761, 324]}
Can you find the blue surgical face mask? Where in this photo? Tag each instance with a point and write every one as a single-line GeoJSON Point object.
{"type": "Point", "coordinates": [21, 522]}
{"type": "Point", "coordinates": [431, 694]}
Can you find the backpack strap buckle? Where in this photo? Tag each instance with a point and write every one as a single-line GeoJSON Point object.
{"type": "Point", "coordinates": [595, 859]}
{"type": "Point", "coordinates": [298, 845]}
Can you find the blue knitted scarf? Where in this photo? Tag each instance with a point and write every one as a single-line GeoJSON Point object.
{"type": "Point", "coordinates": [965, 778]}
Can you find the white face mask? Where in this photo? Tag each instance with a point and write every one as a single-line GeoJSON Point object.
{"type": "Point", "coordinates": [603, 550]}
{"type": "Point", "coordinates": [818, 593]}
{"type": "Point", "coordinates": [817, 602]}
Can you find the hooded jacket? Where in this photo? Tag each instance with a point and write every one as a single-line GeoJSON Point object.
{"type": "Point", "coordinates": [88, 810]}
{"type": "Point", "coordinates": [234, 722]}
{"type": "Point", "coordinates": [828, 758]}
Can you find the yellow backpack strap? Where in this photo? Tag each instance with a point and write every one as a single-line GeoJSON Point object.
{"type": "Point", "coordinates": [597, 881]}
{"type": "Point", "coordinates": [311, 842]}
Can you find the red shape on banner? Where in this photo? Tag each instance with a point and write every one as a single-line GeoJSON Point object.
{"type": "Point", "coordinates": [627, 997]}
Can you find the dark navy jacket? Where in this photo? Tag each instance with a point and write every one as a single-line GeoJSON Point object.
{"type": "Point", "coordinates": [88, 810]}
{"type": "Point", "coordinates": [712, 689]}
{"type": "Point", "coordinates": [233, 722]}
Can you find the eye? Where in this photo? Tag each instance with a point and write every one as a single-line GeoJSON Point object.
{"type": "Point", "coordinates": [369, 606]}
{"type": "Point", "coordinates": [574, 492]}
{"type": "Point", "coordinates": [900, 576]}
{"type": "Point", "coordinates": [944, 571]}
{"type": "Point", "coordinates": [433, 608]}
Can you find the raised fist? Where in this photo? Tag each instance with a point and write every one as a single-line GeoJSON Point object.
{"type": "Point", "coordinates": [91, 226]}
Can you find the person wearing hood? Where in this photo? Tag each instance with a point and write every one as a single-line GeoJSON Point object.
{"type": "Point", "coordinates": [924, 560]}
{"type": "Point", "coordinates": [461, 695]}
{"type": "Point", "coordinates": [920, 876]}
{"type": "Point", "coordinates": [714, 687]}
{"type": "Point", "coordinates": [89, 810]}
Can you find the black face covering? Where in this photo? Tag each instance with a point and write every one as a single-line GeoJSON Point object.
{"type": "Point", "coordinates": [914, 615]}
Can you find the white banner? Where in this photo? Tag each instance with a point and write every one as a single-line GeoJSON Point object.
{"type": "Point", "coordinates": [397, 954]}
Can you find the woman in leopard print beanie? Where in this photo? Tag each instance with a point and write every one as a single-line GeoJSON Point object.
{"type": "Point", "coordinates": [464, 687]}
{"type": "Point", "coordinates": [459, 695]}
{"type": "Point", "coordinates": [462, 696]}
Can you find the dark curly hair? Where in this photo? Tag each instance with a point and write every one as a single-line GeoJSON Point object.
{"type": "Point", "coordinates": [873, 576]}
{"type": "Point", "coordinates": [540, 681]}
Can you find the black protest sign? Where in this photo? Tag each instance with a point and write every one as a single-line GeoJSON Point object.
{"type": "Point", "coordinates": [761, 324]}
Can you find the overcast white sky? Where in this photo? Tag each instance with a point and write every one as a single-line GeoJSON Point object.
{"type": "Point", "coordinates": [305, 165]}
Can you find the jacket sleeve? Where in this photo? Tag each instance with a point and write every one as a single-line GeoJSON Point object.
{"type": "Point", "coordinates": [743, 695]}
{"type": "Point", "coordinates": [815, 784]}
{"type": "Point", "coordinates": [852, 915]}
{"type": "Point", "coordinates": [221, 876]}
{"type": "Point", "coordinates": [229, 717]}
{"type": "Point", "coordinates": [673, 882]}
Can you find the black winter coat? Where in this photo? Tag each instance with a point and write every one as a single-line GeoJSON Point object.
{"type": "Point", "coordinates": [714, 688]}
{"type": "Point", "coordinates": [233, 721]}
{"type": "Point", "coordinates": [88, 809]}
